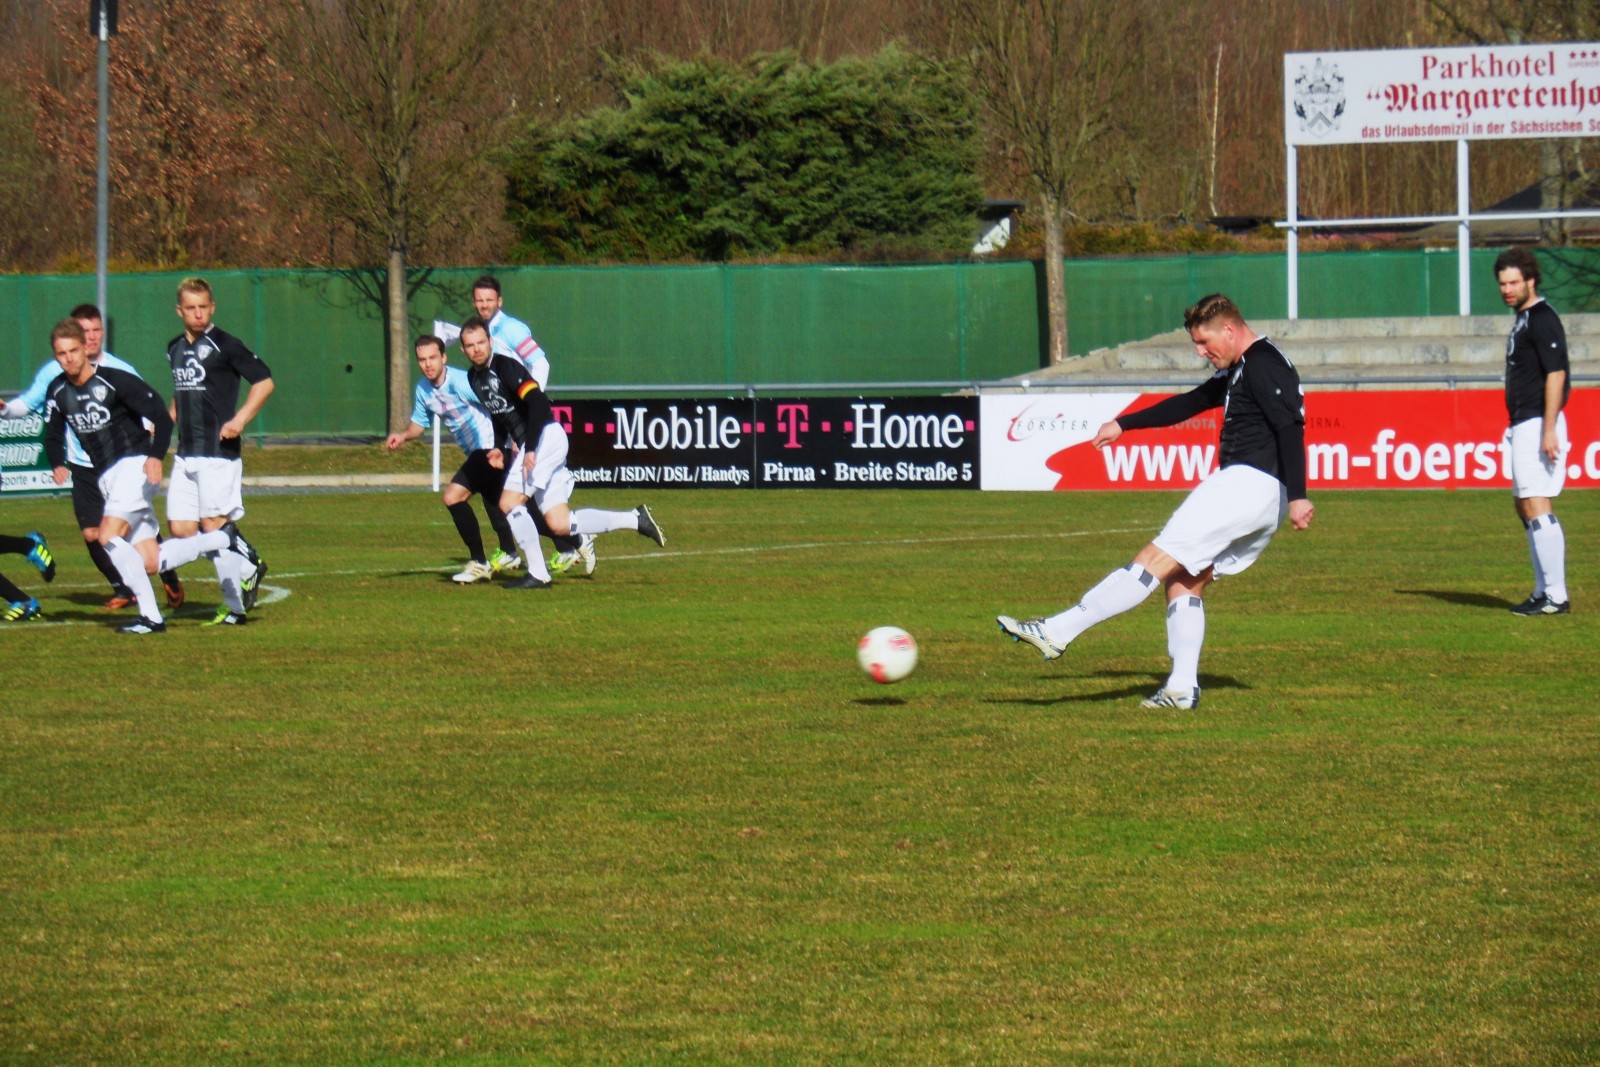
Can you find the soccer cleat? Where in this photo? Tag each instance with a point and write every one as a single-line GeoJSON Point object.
{"type": "Point", "coordinates": [1031, 631]}
{"type": "Point", "coordinates": [527, 581]}
{"type": "Point", "coordinates": [561, 562]}
{"type": "Point", "coordinates": [143, 625]}
{"type": "Point", "coordinates": [1542, 605]}
{"type": "Point", "coordinates": [173, 588]}
{"type": "Point", "coordinates": [120, 599]}
{"type": "Point", "coordinates": [503, 562]}
{"type": "Point", "coordinates": [237, 543]}
{"type": "Point", "coordinates": [473, 572]}
{"type": "Point", "coordinates": [39, 555]}
{"type": "Point", "coordinates": [226, 616]}
{"type": "Point", "coordinates": [1176, 699]}
{"type": "Point", "coordinates": [20, 610]}
{"type": "Point", "coordinates": [586, 552]}
{"type": "Point", "coordinates": [648, 527]}
{"type": "Point", "coordinates": [250, 588]}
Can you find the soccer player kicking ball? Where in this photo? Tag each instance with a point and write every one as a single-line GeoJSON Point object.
{"type": "Point", "coordinates": [1226, 522]}
{"type": "Point", "coordinates": [108, 410]}
{"type": "Point", "coordinates": [534, 457]}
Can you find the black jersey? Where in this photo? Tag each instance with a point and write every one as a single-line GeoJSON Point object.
{"type": "Point", "coordinates": [107, 412]}
{"type": "Point", "coordinates": [205, 389]}
{"type": "Point", "coordinates": [513, 399]}
{"type": "Point", "coordinates": [1535, 349]}
{"type": "Point", "coordinates": [1263, 414]}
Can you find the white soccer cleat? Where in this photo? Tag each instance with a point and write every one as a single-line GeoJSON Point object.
{"type": "Point", "coordinates": [1031, 631]}
{"type": "Point", "coordinates": [1176, 699]}
{"type": "Point", "coordinates": [473, 572]}
{"type": "Point", "coordinates": [586, 552]}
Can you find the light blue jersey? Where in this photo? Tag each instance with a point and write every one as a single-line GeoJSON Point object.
{"type": "Point", "coordinates": [458, 406]}
{"type": "Point", "coordinates": [34, 397]}
{"type": "Point", "coordinates": [512, 337]}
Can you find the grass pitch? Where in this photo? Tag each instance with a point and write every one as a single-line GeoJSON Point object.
{"type": "Point", "coordinates": [660, 817]}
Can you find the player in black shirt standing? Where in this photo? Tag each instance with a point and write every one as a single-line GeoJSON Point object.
{"type": "Point", "coordinates": [1537, 384]}
{"type": "Point", "coordinates": [206, 490]}
{"type": "Point", "coordinates": [1226, 522]}
{"type": "Point", "coordinates": [108, 410]}
{"type": "Point", "coordinates": [533, 452]}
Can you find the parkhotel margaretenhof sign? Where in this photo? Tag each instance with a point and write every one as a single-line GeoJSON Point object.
{"type": "Point", "coordinates": [1442, 94]}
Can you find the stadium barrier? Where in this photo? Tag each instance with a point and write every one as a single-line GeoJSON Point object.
{"type": "Point", "coordinates": [1441, 438]}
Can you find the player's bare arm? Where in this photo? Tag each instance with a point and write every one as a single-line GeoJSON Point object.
{"type": "Point", "coordinates": [395, 440]}
{"type": "Point", "coordinates": [253, 401]}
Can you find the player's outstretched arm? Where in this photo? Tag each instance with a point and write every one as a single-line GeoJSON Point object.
{"type": "Point", "coordinates": [410, 433]}
{"type": "Point", "coordinates": [1107, 434]}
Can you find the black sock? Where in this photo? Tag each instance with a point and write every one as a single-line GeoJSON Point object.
{"type": "Point", "coordinates": [19, 545]}
{"type": "Point", "coordinates": [501, 528]}
{"type": "Point", "coordinates": [467, 526]}
{"type": "Point", "coordinates": [10, 593]}
{"type": "Point", "coordinates": [103, 564]}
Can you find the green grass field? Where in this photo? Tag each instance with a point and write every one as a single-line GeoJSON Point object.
{"type": "Point", "coordinates": [658, 816]}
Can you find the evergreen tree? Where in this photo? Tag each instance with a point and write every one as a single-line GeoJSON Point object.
{"type": "Point", "coordinates": [712, 160]}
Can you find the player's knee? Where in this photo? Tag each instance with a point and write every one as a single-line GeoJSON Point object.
{"type": "Point", "coordinates": [91, 535]}
{"type": "Point", "coordinates": [454, 494]}
{"type": "Point", "coordinates": [560, 525]}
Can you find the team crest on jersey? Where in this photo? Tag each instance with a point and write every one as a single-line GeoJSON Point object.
{"type": "Point", "coordinates": [1319, 98]}
{"type": "Point", "coordinates": [98, 391]}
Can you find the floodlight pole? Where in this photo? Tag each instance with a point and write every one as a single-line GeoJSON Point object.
{"type": "Point", "coordinates": [1292, 207]}
{"type": "Point", "coordinates": [1464, 227]}
{"type": "Point", "coordinates": [102, 20]}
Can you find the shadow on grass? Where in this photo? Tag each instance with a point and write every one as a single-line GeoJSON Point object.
{"type": "Point", "coordinates": [1466, 600]}
{"type": "Point", "coordinates": [881, 702]}
{"type": "Point", "coordinates": [1149, 684]}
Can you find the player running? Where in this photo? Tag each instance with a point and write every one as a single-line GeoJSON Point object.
{"type": "Point", "coordinates": [1226, 522]}
{"type": "Point", "coordinates": [445, 391]}
{"type": "Point", "coordinates": [109, 410]}
{"type": "Point", "coordinates": [534, 457]}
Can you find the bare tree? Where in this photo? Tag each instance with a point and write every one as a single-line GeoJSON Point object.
{"type": "Point", "coordinates": [392, 130]}
{"type": "Point", "coordinates": [1055, 76]}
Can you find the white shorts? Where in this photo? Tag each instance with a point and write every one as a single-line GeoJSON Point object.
{"type": "Point", "coordinates": [551, 483]}
{"type": "Point", "coordinates": [1532, 472]}
{"type": "Point", "coordinates": [205, 487]}
{"type": "Point", "coordinates": [1226, 521]}
{"type": "Point", "coordinates": [130, 497]}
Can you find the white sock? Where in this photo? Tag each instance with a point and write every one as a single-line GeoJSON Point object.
{"type": "Point", "coordinates": [1122, 590]}
{"type": "Point", "coordinates": [596, 521]}
{"type": "Point", "coordinates": [527, 536]}
{"type": "Point", "coordinates": [1549, 543]}
{"type": "Point", "coordinates": [1186, 632]}
{"type": "Point", "coordinates": [130, 568]}
{"type": "Point", "coordinates": [177, 551]}
{"type": "Point", "coordinates": [230, 573]}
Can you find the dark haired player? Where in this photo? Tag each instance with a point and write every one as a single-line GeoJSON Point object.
{"type": "Point", "coordinates": [1226, 522]}
{"type": "Point", "coordinates": [87, 503]}
{"type": "Point", "coordinates": [1537, 385]}
{"type": "Point", "coordinates": [206, 488]}
{"type": "Point", "coordinates": [445, 391]}
{"type": "Point", "coordinates": [506, 334]}
{"type": "Point", "coordinates": [533, 453]}
{"type": "Point", "coordinates": [109, 409]}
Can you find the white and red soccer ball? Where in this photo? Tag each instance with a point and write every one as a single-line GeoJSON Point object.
{"type": "Point", "coordinates": [887, 654]}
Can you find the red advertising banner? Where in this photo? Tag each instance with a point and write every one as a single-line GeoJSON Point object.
{"type": "Point", "coordinates": [1437, 439]}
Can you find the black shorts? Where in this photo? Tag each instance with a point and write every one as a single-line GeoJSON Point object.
{"type": "Point", "coordinates": [88, 503]}
{"type": "Point", "coordinates": [476, 476]}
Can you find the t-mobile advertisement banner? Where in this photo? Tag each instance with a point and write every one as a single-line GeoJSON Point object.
{"type": "Point", "coordinates": [1447, 439]}
{"type": "Point", "coordinates": [775, 443]}
{"type": "Point", "coordinates": [22, 457]}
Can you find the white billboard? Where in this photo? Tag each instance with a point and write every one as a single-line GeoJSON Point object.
{"type": "Point", "coordinates": [1442, 94]}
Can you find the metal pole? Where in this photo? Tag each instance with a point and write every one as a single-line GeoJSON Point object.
{"type": "Point", "coordinates": [1464, 226]}
{"type": "Point", "coordinates": [102, 181]}
{"type": "Point", "coordinates": [1292, 211]}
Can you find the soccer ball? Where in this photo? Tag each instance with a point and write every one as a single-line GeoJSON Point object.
{"type": "Point", "coordinates": [887, 654]}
